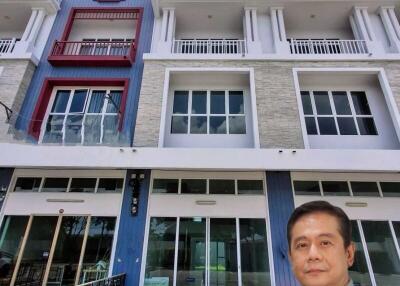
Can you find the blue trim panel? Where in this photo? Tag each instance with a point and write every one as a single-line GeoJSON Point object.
{"type": "Point", "coordinates": [129, 249]}
{"type": "Point", "coordinates": [5, 179]}
{"type": "Point", "coordinates": [44, 69]}
{"type": "Point", "coordinates": [281, 205]}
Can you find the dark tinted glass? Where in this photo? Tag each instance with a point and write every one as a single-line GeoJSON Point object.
{"type": "Point", "coordinates": [193, 186]}
{"type": "Point", "coordinates": [360, 102]}
{"type": "Point", "coordinates": [222, 187]}
{"type": "Point", "coordinates": [306, 100]}
{"type": "Point", "coordinates": [27, 184]}
{"type": "Point", "coordinates": [368, 189]}
{"type": "Point", "coordinates": [179, 124]}
{"type": "Point", "coordinates": [332, 188]}
{"type": "Point", "coordinates": [217, 105]}
{"type": "Point", "coordinates": [250, 187]}
{"type": "Point", "coordinates": [347, 126]}
{"type": "Point", "coordinates": [341, 101]}
{"type": "Point", "coordinates": [217, 125]}
{"type": "Point", "coordinates": [237, 125]}
{"type": "Point", "coordinates": [390, 189]}
{"type": "Point", "coordinates": [61, 101]}
{"type": "Point", "coordinates": [306, 188]}
{"type": "Point", "coordinates": [78, 101]}
{"type": "Point", "coordinates": [55, 185]}
{"type": "Point", "coordinates": [198, 124]}
{"type": "Point", "coordinates": [199, 102]}
{"type": "Point", "coordinates": [322, 103]}
{"type": "Point", "coordinates": [181, 102]}
{"type": "Point", "coordinates": [83, 185]}
{"type": "Point", "coordinates": [166, 186]}
{"type": "Point", "coordinates": [110, 185]}
{"type": "Point", "coordinates": [236, 105]}
{"type": "Point", "coordinates": [366, 126]}
{"type": "Point", "coordinates": [327, 126]}
{"type": "Point", "coordinates": [311, 126]}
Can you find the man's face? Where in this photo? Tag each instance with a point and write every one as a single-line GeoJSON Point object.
{"type": "Point", "coordinates": [317, 251]}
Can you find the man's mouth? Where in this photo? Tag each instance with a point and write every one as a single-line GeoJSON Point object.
{"type": "Point", "coordinates": [314, 271]}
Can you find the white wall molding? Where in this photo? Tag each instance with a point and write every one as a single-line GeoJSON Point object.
{"type": "Point", "coordinates": [392, 27]}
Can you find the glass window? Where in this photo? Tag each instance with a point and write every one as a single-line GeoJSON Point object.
{"type": "Point", "coordinates": [27, 184]}
{"type": "Point", "coordinates": [55, 185]}
{"type": "Point", "coordinates": [83, 185]}
{"type": "Point", "coordinates": [359, 270]}
{"type": "Point", "coordinates": [237, 125]}
{"type": "Point", "coordinates": [366, 189]}
{"type": "Point", "coordinates": [198, 124]}
{"type": "Point", "coordinates": [309, 188]}
{"type": "Point", "coordinates": [366, 126]}
{"type": "Point", "coordinates": [64, 265]}
{"type": "Point", "coordinates": [306, 100]}
{"type": "Point", "coordinates": [165, 186]}
{"type": "Point", "coordinates": [390, 189]}
{"type": "Point", "coordinates": [341, 101]}
{"type": "Point", "coordinates": [396, 226]}
{"type": "Point", "coordinates": [217, 104]}
{"type": "Point", "coordinates": [311, 126]}
{"type": "Point", "coordinates": [347, 126]}
{"type": "Point", "coordinates": [114, 101]}
{"type": "Point", "coordinates": [96, 259]}
{"type": "Point", "coordinates": [193, 186]}
{"type": "Point", "coordinates": [254, 252]}
{"type": "Point", "coordinates": [191, 252]}
{"type": "Point", "coordinates": [181, 102]}
{"type": "Point", "coordinates": [382, 252]}
{"type": "Point", "coordinates": [78, 101]}
{"type": "Point", "coordinates": [12, 234]}
{"type": "Point", "coordinates": [223, 252]}
{"type": "Point", "coordinates": [327, 126]}
{"type": "Point", "coordinates": [236, 104]}
{"type": "Point", "coordinates": [97, 101]}
{"type": "Point", "coordinates": [179, 124]}
{"type": "Point", "coordinates": [250, 187]}
{"type": "Point", "coordinates": [110, 185]}
{"type": "Point", "coordinates": [335, 188]}
{"type": "Point", "coordinates": [199, 102]}
{"type": "Point", "coordinates": [322, 103]}
{"type": "Point", "coordinates": [217, 125]}
{"type": "Point", "coordinates": [37, 250]}
{"type": "Point", "coordinates": [360, 103]}
{"type": "Point", "coordinates": [61, 101]}
{"type": "Point", "coordinates": [222, 187]}
{"type": "Point", "coordinates": [160, 252]}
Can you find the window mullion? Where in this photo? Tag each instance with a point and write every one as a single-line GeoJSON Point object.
{"type": "Point", "coordinates": [334, 113]}
{"type": "Point", "coordinates": [85, 110]}
{"type": "Point", "coordinates": [71, 96]}
{"type": "Point", "coordinates": [208, 110]}
{"type": "Point", "coordinates": [227, 111]}
{"type": "Point", "coordinates": [238, 256]}
{"type": "Point", "coordinates": [87, 228]}
{"type": "Point", "coordinates": [102, 114]}
{"type": "Point", "coordinates": [353, 111]}
{"type": "Point", "coordinates": [176, 250]}
{"type": "Point", "coordinates": [396, 243]}
{"type": "Point", "coordinates": [189, 110]}
{"type": "Point", "coordinates": [314, 110]}
{"type": "Point", "coordinates": [366, 253]}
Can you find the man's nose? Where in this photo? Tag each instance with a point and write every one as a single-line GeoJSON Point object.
{"type": "Point", "coordinates": [314, 252]}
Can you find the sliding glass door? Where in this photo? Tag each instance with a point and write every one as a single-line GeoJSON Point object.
{"type": "Point", "coordinates": [200, 251]}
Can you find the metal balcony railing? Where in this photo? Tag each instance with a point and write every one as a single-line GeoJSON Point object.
{"type": "Point", "coordinates": [328, 47]}
{"type": "Point", "coordinates": [92, 48]}
{"type": "Point", "coordinates": [117, 280]}
{"type": "Point", "coordinates": [7, 45]}
{"type": "Point", "coordinates": [209, 47]}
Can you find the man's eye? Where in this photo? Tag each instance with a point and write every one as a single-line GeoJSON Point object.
{"type": "Point", "coordinates": [301, 245]}
{"type": "Point", "coordinates": [326, 243]}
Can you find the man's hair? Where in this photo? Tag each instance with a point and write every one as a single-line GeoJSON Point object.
{"type": "Point", "coordinates": [321, 207]}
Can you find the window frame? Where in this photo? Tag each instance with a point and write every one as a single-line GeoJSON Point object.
{"type": "Point", "coordinates": [84, 112]}
{"type": "Point", "coordinates": [334, 114]}
{"type": "Point", "coordinates": [208, 113]}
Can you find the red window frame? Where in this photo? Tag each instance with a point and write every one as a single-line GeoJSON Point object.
{"type": "Point", "coordinates": [79, 60]}
{"type": "Point", "coordinates": [48, 85]}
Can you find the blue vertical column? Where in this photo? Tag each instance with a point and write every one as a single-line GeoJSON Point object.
{"type": "Point", "coordinates": [128, 253]}
{"type": "Point", "coordinates": [5, 179]}
{"type": "Point", "coordinates": [281, 205]}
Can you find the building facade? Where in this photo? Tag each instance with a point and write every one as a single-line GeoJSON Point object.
{"type": "Point", "coordinates": [167, 142]}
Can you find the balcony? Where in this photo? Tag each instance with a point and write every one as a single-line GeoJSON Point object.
{"type": "Point", "coordinates": [98, 37]}
{"type": "Point", "coordinates": [7, 45]}
{"type": "Point", "coordinates": [232, 47]}
{"type": "Point", "coordinates": [328, 47]}
{"type": "Point", "coordinates": [111, 53]}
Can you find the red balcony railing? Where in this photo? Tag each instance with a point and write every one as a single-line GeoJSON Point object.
{"type": "Point", "coordinates": [94, 53]}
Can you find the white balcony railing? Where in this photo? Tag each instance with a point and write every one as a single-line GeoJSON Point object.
{"type": "Point", "coordinates": [237, 47]}
{"type": "Point", "coordinates": [7, 45]}
{"type": "Point", "coordinates": [328, 47]}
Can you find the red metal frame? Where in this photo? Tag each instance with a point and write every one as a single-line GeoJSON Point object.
{"type": "Point", "coordinates": [47, 89]}
{"type": "Point", "coordinates": [67, 60]}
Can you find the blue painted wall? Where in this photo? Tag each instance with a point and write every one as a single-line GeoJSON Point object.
{"type": "Point", "coordinates": [128, 253]}
{"type": "Point", "coordinates": [5, 179]}
{"type": "Point", "coordinates": [44, 69]}
{"type": "Point", "coordinates": [281, 205]}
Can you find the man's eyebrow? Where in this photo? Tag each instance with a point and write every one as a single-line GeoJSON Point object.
{"type": "Point", "coordinates": [327, 234]}
{"type": "Point", "coordinates": [297, 239]}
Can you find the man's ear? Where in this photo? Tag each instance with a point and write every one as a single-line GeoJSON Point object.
{"type": "Point", "coordinates": [350, 252]}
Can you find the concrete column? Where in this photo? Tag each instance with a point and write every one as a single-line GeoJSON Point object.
{"type": "Point", "coordinates": [392, 27]}
{"type": "Point", "coordinates": [36, 26]}
{"type": "Point", "coordinates": [29, 26]}
{"type": "Point", "coordinates": [252, 36]}
{"type": "Point", "coordinates": [279, 31]}
{"type": "Point", "coordinates": [364, 27]}
{"type": "Point", "coordinates": [167, 31]}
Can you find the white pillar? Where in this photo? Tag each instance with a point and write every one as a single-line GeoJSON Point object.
{"type": "Point", "coordinates": [251, 28]}
{"type": "Point", "coordinates": [364, 28]}
{"type": "Point", "coordinates": [167, 31]}
{"type": "Point", "coordinates": [278, 31]}
{"type": "Point", "coordinates": [36, 26]}
{"type": "Point", "coordinates": [29, 26]}
{"type": "Point", "coordinates": [392, 27]}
